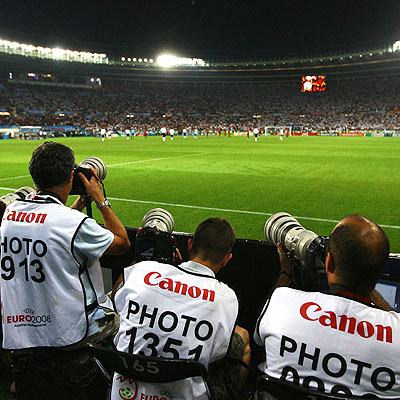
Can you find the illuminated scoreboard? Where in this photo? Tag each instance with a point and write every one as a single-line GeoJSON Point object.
{"type": "Point", "coordinates": [313, 83]}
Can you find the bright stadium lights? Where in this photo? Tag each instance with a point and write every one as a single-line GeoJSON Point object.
{"type": "Point", "coordinates": [396, 45]}
{"type": "Point", "coordinates": [169, 60]}
{"type": "Point", "coordinates": [122, 58]}
{"type": "Point", "coordinates": [53, 54]}
{"type": "Point", "coordinates": [166, 61]}
{"type": "Point", "coordinates": [134, 59]}
{"type": "Point", "coordinates": [58, 53]}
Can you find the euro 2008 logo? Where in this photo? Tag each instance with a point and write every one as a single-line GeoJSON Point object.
{"type": "Point", "coordinates": [127, 393]}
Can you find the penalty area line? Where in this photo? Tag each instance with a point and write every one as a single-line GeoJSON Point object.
{"type": "Point", "coordinates": [234, 211]}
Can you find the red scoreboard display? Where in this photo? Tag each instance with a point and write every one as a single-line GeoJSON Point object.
{"type": "Point", "coordinates": [313, 83]}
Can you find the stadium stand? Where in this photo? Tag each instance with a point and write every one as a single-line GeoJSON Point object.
{"type": "Point", "coordinates": [359, 104]}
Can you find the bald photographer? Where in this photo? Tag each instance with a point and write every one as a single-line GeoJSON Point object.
{"type": "Point", "coordinates": [343, 341]}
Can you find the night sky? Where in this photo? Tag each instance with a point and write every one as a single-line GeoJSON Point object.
{"type": "Point", "coordinates": [200, 27]}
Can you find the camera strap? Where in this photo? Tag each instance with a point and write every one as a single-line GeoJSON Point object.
{"type": "Point", "coordinates": [88, 205]}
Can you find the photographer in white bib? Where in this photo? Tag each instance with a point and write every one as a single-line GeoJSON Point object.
{"type": "Point", "coordinates": [52, 294]}
{"type": "Point", "coordinates": [345, 341]}
{"type": "Point", "coordinates": [183, 312]}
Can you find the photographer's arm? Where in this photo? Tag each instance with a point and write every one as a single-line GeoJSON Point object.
{"type": "Point", "coordinates": [79, 204]}
{"type": "Point", "coordinates": [121, 243]}
{"type": "Point", "coordinates": [285, 277]}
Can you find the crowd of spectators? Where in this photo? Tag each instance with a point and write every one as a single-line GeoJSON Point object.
{"type": "Point", "coordinates": [357, 104]}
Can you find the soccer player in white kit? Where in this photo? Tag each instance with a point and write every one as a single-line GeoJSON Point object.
{"type": "Point", "coordinates": [163, 131]}
{"type": "Point", "coordinates": [255, 133]}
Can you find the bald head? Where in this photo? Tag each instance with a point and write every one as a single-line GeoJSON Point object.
{"type": "Point", "coordinates": [360, 250]}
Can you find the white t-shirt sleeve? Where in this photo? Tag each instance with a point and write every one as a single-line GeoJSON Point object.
{"type": "Point", "coordinates": [92, 240]}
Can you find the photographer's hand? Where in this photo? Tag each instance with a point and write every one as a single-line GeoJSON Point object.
{"type": "Point", "coordinates": [93, 187]}
{"type": "Point", "coordinates": [79, 204]}
{"type": "Point", "coordinates": [121, 243]}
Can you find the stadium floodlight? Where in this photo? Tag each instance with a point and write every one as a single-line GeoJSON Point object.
{"type": "Point", "coordinates": [396, 45]}
{"type": "Point", "coordinates": [166, 60]}
{"type": "Point", "coordinates": [51, 53]}
{"type": "Point", "coordinates": [169, 60]}
{"type": "Point", "coordinates": [58, 53]}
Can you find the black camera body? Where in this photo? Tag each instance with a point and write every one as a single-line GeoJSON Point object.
{"type": "Point", "coordinates": [77, 185]}
{"type": "Point", "coordinates": [85, 167]}
{"type": "Point", "coordinates": [154, 244]}
{"type": "Point", "coordinates": [316, 254]}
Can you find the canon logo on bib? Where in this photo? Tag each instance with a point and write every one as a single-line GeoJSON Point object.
{"type": "Point", "coordinates": [12, 215]}
{"type": "Point", "coordinates": [311, 311]}
{"type": "Point", "coordinates": [156, 279]}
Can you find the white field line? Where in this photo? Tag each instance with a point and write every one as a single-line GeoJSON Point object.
{"type": "Point", "coordinates": [158, 159]}
{"type": "Point", "coordinates": [234, 211]}
{"type": "Point", "coordinates": [189, 206]}
{"type": "Point", "coordinates": [195, 207]}
{"type": "Point", "coordinates": [220, 209]}
{"type": "Point", "coordinates": [126, 163]}
{"type": "Point", "coordinates": [14, 177]}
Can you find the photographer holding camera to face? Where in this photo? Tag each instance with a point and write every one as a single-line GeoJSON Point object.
{"type": "Point", "coordinates": [181, 311]}
{"type": "Point", "coordinates": [52, 292]}
{"type": "Point", "coordinates": [343, 341]}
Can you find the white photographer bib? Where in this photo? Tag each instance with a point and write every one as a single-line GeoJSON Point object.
{"type": "Point", "coordinates": [330, 343]}
{"type": "Point", "coordinates": [42, 295]}
{"type": "Point", "coordinates": [169, 312]}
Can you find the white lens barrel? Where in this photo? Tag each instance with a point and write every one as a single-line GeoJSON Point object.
{"type": "Point", "coordinates": [159, 218]}
{"type": "Point", "coordinates": [97, 164]}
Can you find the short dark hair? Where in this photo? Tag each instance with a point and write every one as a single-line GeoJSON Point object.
{"type": "Point", "coordinates": [51, 165]}
{"type": "Point", "coordinates": [213, 240]}
{"type": "Point", "coordinates": [360, 256]}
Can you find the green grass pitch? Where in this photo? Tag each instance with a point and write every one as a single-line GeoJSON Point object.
{"type": "Point", "coordinates": [317, 179]}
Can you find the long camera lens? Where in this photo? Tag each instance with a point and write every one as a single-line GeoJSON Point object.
{"type": "Point", "coordinates": [97, 164]}
{"type": "Point", "coordinates": [285, 229]}
{"type": "Point", "coordinates": [11, 197]}
{"type": "Point", "coordinates": [18, 194]}
{"type": "Point", "coordinates": [160, 219]}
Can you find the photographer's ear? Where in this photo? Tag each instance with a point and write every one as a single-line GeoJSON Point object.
{"type": "Point", "coordinates": [226, 260]}
{"type": "Point", "coordinates": [329, 264]}
{"type": "Point", "coordinates": [190, 245]}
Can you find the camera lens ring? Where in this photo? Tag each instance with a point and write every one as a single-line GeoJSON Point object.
{"type": "Point", "coordinates": [272, 224]}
